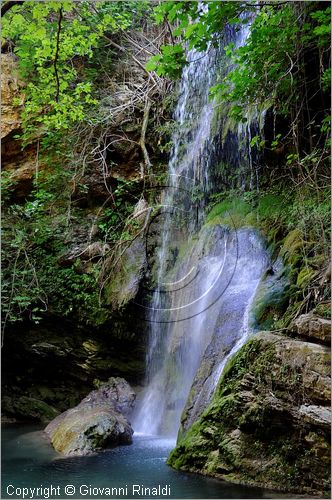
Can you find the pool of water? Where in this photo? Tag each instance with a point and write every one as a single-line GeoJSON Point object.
{"type": "Point", "coordinates": [29, 462]}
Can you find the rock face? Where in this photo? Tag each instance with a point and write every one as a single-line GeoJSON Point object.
{"type": "Point", "coordinates": [11, 87]}
{"type": "Point", "coordinates": [313, 327]}
{"type": "Point", "coordinates": [99, 421]}
{"type": "Point", "coordinates": [20, 164]}
{"type": "Point", "coordinates": [269, 421]}
{"type": "Point", "coordinates": [57, 364]}
{"type": "Point", "coordinates": [125, 277]}
{"type": "Point", "coordinates": [28, 408]}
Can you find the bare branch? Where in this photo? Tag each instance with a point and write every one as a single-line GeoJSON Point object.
{"type": "Point", "coordinates": [143, 133]}
{"type": "Point", "coordinates": [132, 56]}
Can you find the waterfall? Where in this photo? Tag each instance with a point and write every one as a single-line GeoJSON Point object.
{"type": "Point", "coordinates": [207, 276]}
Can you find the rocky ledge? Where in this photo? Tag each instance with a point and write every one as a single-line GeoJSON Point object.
{"type": "Point", "coordinates": [98, 421]}
{"type": "Point", "coordinates": [269, 421]}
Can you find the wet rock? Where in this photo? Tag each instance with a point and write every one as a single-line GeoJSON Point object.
{"type": "Point", "coordinates": [124, 277]}
{"type": "Point", "coordinates": [57, 362]}
{"type": "Point", "coordinates": [84, 430]}
{"type": "Point", "coordinates": [230, 314]}
{"type": "Point", "coordinates": [312, 326]}
{"type": "Point", "coordinates": [270, 299]}
{"type": "Point", "coordinates": [98, 422]}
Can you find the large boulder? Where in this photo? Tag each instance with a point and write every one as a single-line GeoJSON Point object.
{"type": "Point", "coordinates": [98, 421]}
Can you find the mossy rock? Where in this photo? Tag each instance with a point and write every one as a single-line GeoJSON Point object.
{"type": "Point", "coordinates": [98, 421]}
{"type": "Point", "coordinates": [252, 432]}
{"type": "Point", "coordinates": [271, 299]}
{"type": "Point", "coordinates": [323, 310]}
{"type": "Point", "coordinates": [231, 212]}
{"type": "Point", "coordinates": [89, 429]}
{"type": "Point", "coordinates": [292, 246]}
{"type": "Point", "coordinates": [29, 409]}
{"type": "Point", "coordinates": [122, 282]}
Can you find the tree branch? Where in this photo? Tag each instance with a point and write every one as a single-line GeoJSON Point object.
{"type": "Point", "coordinates": [132, 56]}
{"type": "Point", "coordinates": [143, 133]}
{"type": "Point", "coordinates": [271, 4]}
{"type": "Point", "coordinates": [8, 5]}
{"type": "Point", "coordinates": [55, 64]}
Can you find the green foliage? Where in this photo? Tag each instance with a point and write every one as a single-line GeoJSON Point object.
{"type": "Point", "coordinates": [62, 48]}
{"type": "Point", "coordinates": [323, 28]}
{"type": "Point", "coordinates": [113, 221]}
{"type": "Point", "coordinates": [201, 26]}
{"type": "Point", "coordinates": [262, 63]}
{"type": "Point", "coordinates": [173, 59]}
{"type": "Point", "coordinates": [34, 236]}
{"type": "Point", "coordinates": [54, 40]}
{"type": "Point", "coordinates": [269, 69]}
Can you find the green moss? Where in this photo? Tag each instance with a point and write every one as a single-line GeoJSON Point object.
{"type": "Point", "coordinates": [270, 205]}
{"type": "Point", "coordinates": [29, 408]}
{"type": "Point", "coordinates": [231, 212]}
{"type": "Point", "coordinates": [323, 310]}
{"type": "Point", "coordinates": [292, 246]}
{"type": "Point", "coordinates": [237, 366]}
{"type": "Point", "coordinates": [270, 301]}
{"type": "Point", "coordinates": [305, 276]}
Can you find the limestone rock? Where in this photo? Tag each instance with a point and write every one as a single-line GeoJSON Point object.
{"type": "Point", "coordinates": [316, 415]}
{"type": "Point", "coordinates": [97, 422]}
{"type": "Point", "coordinates": [312, 326]}
{"type": "Point", "coordinates": [268, 424]}
{"type": "Point", "coordinates": [21, 163]}
{"type": "Point", "coordinates": [11, 88]}
{"type": "Point", "coordinates": [141, 211]}
{"type": "Point", "coordinates": [124, 278]}
{"type": "Point", "coordinates": [302, 360]}
{"type": "Point", "coordinates": [84, 430]}
{"type": "Point", "coordinates": [117, 391]}
{"type": "Point", "coordinates": [66, 360]}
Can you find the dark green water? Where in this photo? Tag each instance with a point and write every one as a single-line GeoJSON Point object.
{"type": "Point", "coordinates": [28, 461]}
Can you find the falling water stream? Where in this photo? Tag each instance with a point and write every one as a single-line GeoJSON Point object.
{"type": "Point", "coordinates": [207, 275]}
{"type": "Point", "coordinates": [188, 170]}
